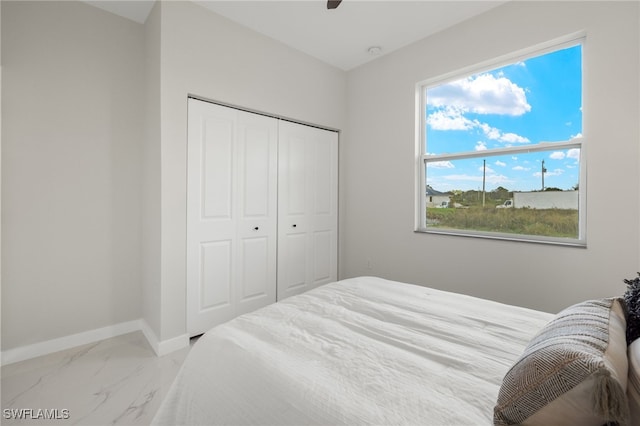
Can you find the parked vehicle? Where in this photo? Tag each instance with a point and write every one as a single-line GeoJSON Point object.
{"type": "Point", "coordinates": [506, 205]}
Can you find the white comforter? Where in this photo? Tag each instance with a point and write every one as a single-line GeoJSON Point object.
{"type": "Point", "coordinates": [359, 351]}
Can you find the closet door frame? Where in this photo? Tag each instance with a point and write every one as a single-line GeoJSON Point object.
{"type": "Point", "coordinates": [227, 302]}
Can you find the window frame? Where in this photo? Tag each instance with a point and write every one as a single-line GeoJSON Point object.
{"type": "Point", "coordinates": [422, 157]}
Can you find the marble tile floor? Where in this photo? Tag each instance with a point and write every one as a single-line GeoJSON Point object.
{"type": "Point", "coordinates": [118, 381]}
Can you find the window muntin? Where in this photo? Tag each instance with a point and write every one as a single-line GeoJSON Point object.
{"type": "Point", "coordinates": [516, 130]}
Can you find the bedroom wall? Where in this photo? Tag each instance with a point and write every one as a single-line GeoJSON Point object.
{"type": "Point", "coordinates": [93, 166]}
{"type": "Point", "coordinates": [151, 183]}
{"type": "Point", "coordinates": [378, 162]}
{"type": "Point", "coordinates": [207, 55]}
{"type": "Point", "coordinates": [71, 143]}
{"type": "Point", "coordinates": [0, 171]}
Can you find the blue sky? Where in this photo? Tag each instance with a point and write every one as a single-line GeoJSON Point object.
{"type": "Point", "coordinates": [532, 101]}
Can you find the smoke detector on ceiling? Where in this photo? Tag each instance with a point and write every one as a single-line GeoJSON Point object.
{"type": "Point", "coordinates": [374, 50]}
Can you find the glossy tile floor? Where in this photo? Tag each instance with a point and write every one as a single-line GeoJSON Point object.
{"type": "Point", "coordinates": [118, 381]}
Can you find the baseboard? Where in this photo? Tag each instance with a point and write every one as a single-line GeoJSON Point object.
{"type": "Point", "coordinates": [54, 345]}
{"type": "Point", "coordinates": [166, 346]}
{"type": "Point", "coordinates": [161, 348]}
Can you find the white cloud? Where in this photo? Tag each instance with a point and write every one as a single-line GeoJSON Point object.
{"type": "Point", "coordinates": [574, 153]}
{"type": "Point", "coordinates": [482, 94]}
{"type": "Point", "coordinates": [441, 165]}
{"type": "Point", "coordinates": [453, 119]}
{"type": "Point", "coordinates": [490, 179]}
{"type": "Point", "coordinates": [500, 163]}
{"type": "Point", "coordinates": [496, 135]}
{"type": "Point", "coordinates": [556, 172]}
{"type": "Point", "coordinates": [513, 138]}
{"type": "Point", "coordinates": [449, 119]}
{"type": "Point", "coordinates": [521, 169]}
{"type": "Point", "coordinates": [463, 177]}
{"type": "Point", "coordinates": [487, 169]}
{"type": "Point", "coordinates": [490, 132]}
{"type": "Point", "coordinates": [481, 146]}
{"type": "Point", "coordinates": [498, 179]}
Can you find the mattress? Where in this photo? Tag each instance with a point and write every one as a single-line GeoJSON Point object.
{"type": "Point", "coordinates": [359, 351]}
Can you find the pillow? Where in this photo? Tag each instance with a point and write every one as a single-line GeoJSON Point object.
{"type": "Point", "coordinates": [632, 303]}
{"type": "Point", "coordinates": [573, 372]}
{"type": "Point", "coordinates": [633, 389]}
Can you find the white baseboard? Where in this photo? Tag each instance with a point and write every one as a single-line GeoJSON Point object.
{"type": "Point", "coordinates": [161, 348]}
{"type": "Point", "coordinates": [166, 346]}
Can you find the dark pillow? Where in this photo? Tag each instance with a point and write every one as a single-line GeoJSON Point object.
{"type": "Point", "coordinates": [632, 306]}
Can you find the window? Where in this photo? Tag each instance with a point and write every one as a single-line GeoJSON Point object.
{"type": "Point", "coordinates": [501, 149]}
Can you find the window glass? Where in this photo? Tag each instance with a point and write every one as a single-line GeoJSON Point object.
{"type": "Point", "coordinates": [501, 150]}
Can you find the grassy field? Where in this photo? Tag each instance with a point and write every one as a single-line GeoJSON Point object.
{"type": "Point", "coordinates": [547, 222]}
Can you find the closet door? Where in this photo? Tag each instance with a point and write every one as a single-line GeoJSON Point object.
{"type": "Point", "coordinates": [231, 213]}
{"type": "Point", "coordinates": [307, 208]}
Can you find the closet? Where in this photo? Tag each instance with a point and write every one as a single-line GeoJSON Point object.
{"type": "Point", "coordinates": [262, 211]}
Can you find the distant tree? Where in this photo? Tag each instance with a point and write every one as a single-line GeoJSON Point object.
{"type": "Point", "coordinates": [552, 188]}
{"type": "Point", "coordinates": [501, 193]}
{"type": "Point", "coordinates": [456, 197]}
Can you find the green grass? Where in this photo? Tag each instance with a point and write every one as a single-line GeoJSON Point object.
{"type": "Point", "coordinates": [546, 222]}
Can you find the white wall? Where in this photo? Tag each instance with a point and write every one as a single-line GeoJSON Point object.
{"type": "Point", "coordinates": [71, 147]}
{"type": "Point", "coordinates": [378, 162]}
{"type": "Point", "coordinates": [94, 157]}
{"type": "Point", "coordinates": [0, 172]}
{"type": "Point", "coordinates": [151, 183]}
{"type": "Point", "coordinates": [207, 55]}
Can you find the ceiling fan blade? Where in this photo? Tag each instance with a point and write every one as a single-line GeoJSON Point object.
{"type": "Point", "coordinates": [332, 4]}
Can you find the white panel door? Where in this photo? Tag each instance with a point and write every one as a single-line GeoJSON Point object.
{"type": "Point", "coordinates": [307, 208]}
{"type": "Point", "coordinates": [231, 213]}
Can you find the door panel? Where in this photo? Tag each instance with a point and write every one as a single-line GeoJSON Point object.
{"type": "Point", "coordinates": [322, 251]}
{"type": "Point", "coordinates": [323, 183]}
{"type": "Point", "coordinates": [215, 276]}
{"type": "Point", "coordinates": [231, 213]}
{"type": "Point", "coordinates": [308, 208]}
{"type": "Point", "coordinates": [256, 168]}
{"type": "Point", "coordinates": [216, 169]}
{"type": "Point", "coordinates": [257, 230]}
{"type": "Point", "coordinates": [255, 268]}
{"type": "Point", "coordinates": [295, 271]}
{"type": "Point", "coordinates": [295, 175]}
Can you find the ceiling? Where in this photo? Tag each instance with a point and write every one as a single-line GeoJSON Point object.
{"type": "Point", "coordinates": [340, 37]}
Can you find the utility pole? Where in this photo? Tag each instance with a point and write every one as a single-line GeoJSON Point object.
{"type": "Point", "coordinates": [543, 172]}
{"type": "Point", "coordinates": [484, 174]}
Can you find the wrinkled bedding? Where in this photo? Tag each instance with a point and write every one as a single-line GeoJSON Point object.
{"type": "Point", "coordinates": [359, 351]}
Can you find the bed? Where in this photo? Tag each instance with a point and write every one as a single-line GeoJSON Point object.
{"type": "Point", "coordinates": [359, 351]}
